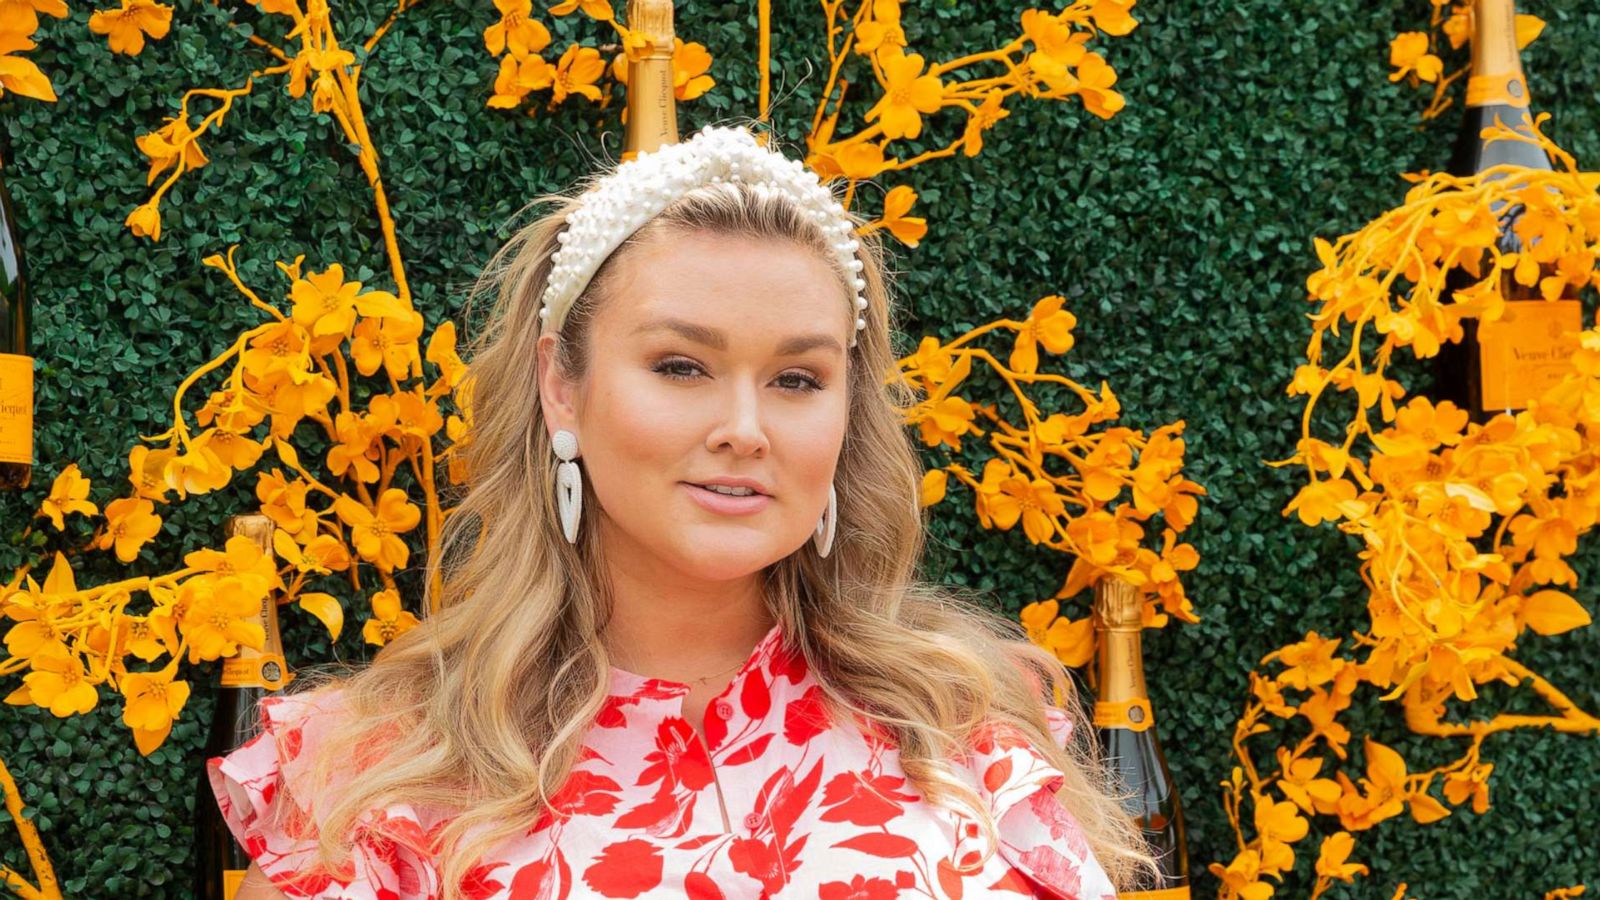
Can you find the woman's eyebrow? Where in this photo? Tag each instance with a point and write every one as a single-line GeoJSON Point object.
{"type": "Point", "coordinates": [718, 340]}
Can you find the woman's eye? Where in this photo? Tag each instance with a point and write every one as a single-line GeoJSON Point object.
{"type": "Point", "coordinates": [806, 382]}
{"type": "Point", "coordinates": [676, 366]}
{"type": "Point", "coordinates": [683, 370]}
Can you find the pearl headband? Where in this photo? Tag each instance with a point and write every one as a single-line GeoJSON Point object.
{"type": "Point", "coordinates": [642, 187]}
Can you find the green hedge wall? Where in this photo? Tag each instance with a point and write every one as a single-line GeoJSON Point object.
{"type": "Point", "coordinates": [1180, 231]}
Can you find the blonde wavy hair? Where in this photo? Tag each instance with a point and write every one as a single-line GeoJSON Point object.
{"type": "Point", "coordinates": [482, 708]}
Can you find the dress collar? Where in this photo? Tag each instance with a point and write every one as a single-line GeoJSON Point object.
{"type": "Point", "coordinates": [630, 684]}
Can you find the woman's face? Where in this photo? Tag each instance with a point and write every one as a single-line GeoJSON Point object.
{"type": "Point", "coordinates": [714, 356]}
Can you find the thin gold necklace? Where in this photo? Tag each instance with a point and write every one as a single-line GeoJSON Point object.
{"type": "Point", "coordinates": [705, 678]}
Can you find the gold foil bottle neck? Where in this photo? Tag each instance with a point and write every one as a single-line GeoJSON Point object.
{"type": "Point", "coordinates": [1117, 605]}
{"type": "Point", "coordinates": [254, 526]}
{"type": "Point", "coordinates": [1496, 76]}
{"type": "Point", "coordinates": [652, 20]}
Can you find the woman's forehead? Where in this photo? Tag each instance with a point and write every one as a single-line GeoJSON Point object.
{"type": "Point", "coordinates": [702, 290]}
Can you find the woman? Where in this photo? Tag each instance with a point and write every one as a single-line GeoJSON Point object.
{"type": "Point", "coordinates": [642, 684]}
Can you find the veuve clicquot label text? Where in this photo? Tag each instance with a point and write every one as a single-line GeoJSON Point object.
{"type": "Point", "coordinates": [16, 408]}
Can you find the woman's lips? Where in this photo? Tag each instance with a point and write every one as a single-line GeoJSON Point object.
{"type": "Point", "coordinates": [724, 503]}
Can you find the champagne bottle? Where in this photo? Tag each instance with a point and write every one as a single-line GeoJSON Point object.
{"type": "Point", "coordinates": [652, 96]}
{"type": "Point", "coordinates": [246, 678]}
{"type": "Point", "coordinates": [1501, 366]}
{"type": "Point", "coordinates": [16, 366]}
{"type": "Point", "coordinates": [1125, 728]}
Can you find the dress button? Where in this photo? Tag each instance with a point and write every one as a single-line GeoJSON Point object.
{"type": "Point", "coordinates": [752, 821]}
{"type": "Point", "coordinates": [724, 709]}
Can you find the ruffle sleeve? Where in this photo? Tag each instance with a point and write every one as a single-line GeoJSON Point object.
{"type": "Point", "coordinates": [1038, 836]}
{"type": "Point", "coordinates": [256, 785]}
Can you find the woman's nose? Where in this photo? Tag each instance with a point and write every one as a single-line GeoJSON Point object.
{"type": "Point", "coordinates": [741, 424]}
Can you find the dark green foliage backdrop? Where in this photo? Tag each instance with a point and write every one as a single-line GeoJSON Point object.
{"type": "Point", "coordinates": [1180, 232]}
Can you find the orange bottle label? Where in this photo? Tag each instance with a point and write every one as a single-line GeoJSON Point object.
{"type": "Point", "coordinates": [1526, 351]}
{"type": "Point", "coordinates": [1490, 90]}
{"type": "Point", "coordinates": [267, 670]}
{"type": "Point", "coordinates": [231, 879]}
{"type": "Point", "coordinates": [1134, 715]}
{"type": "Point", "coordinates": [16, 408]}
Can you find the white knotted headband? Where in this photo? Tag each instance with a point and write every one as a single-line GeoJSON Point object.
{"type": "Point", "coordinates": [642, 187]}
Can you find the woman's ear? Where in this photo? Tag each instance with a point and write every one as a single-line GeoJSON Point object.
{"type": "Point", "coordinates": [556, 394]}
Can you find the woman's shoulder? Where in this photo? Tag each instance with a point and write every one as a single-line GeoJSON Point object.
{"type": "Point", "coordinates": [265, 791]}
{"type": "Point", "coordinates": [1038, 835]}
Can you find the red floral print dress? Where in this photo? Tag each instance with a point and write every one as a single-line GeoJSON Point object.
{"type": "Point", "coordinates": [813, 809]}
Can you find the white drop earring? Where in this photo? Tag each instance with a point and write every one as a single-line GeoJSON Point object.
{"type": "Point", "coordinates": [569, 483]}
{"type": "Point", "coordinates": [823, 537]}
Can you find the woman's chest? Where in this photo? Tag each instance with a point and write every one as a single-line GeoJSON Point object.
{"type": "Point", "coordinates": [808, 814]}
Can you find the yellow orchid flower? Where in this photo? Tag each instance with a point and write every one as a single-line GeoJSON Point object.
{"type": "Point", "coordinates": [169, 145]}
{"type": "Point", "coordinates": [417, 419]}
{"type": "Point", "coordinates": [284, 502]}
{"type": "Point", "coordinates": [18, 74]}
{"type": "Point", "coordinates": [1242, 876]}
{"type": "Point", "coordinates": [1112, 16]}
{"type": "Point", "coordinates": [236, 411]}
{"type": "Point", "coordinates": [576, 73]}
{"type": "Point", "coordinates": [1327, 500]}
{"type": "Point", "coordinates": [127, 27]}
{"type": "Point", "coordinates": [1299, 782]}
{"type": "Point", "coordinates": [59, 683]}
{"type": "Point", "coordinates": [908, 229]}
{"type": "Point", "coordinates": [376, 534]}
{"type": "Point", "coordinates": [908, 96]}
{"type": "Point", "coordinates": [1033, 501]}
{"type": "Point", "coordinates": [130, 524]}
{"type": "Point", "coordinates": [516, 30]}
{"type": "Point", "coordinates": [1471, 782]}
{"type": "Point", "coordinates": [199, 471]}
{"type": "Point", "coordinates": [1095, 78]}
{"type": "Point", "coordinates": [147, 637]}
{"type": "Point", "coordinates": [1333, 855]}
{"type": "Point", "coordinates": [690, 63]}
{"type": "Point", "coordinates": [36, 613]}
{"type": "Point", "coordinates": [518, 78]}
{"type": "Point", "coordinates": [234, 450]}
{"type": "Point", "coordinates": [1308, 663]}
{"type": "Point", "coordinates": [388, 620]}
{"type": "Point", "coordinates": [152, 703]}
{"type": "Point", "coordinates": [325, 304]}
{"type": "Point", "coordinates": [292, 396]}
{"type": "Point", "coordinates": [442, 353]}
{"type": "Point", "coordinates": [389, 343]}
{"type": "Point", "coordinates": [280, 347]}
{"type": "Point", "coordinates": [145, 221]}
{"type": "Point", "coordinates": [220, 614]}
{"type": "Point", "coordinates": [240, 557]}
{"type": "Point", "coordinates": [882, 31]}
{"type": "Point", "coordinates": [1054, 37]}
{"type": "Point", "coordinates": [983, 118]}
{"type": "Point", "coordinates": [1071, 641]}
{"type": "Point", "coordinates": [945, 421]}
{"type": "Point", "coordinates": [68, 494]}
{"type": "Point", "coordinates": [932, 491]}
{"type": "Point", "coordinates": [1047, 324]}
{"type": "Point", "coordinates": [1408, 53]}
